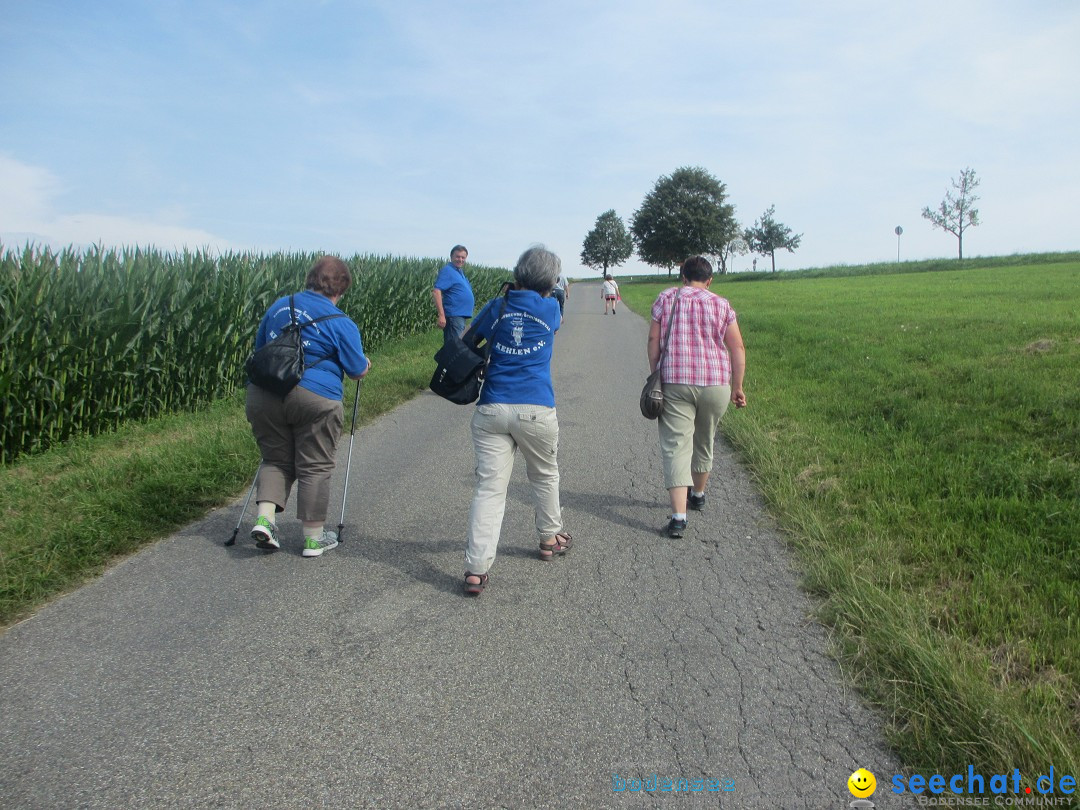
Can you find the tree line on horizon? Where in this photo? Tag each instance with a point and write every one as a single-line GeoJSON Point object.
{"type": "Point", "coordinates": [687, 214]}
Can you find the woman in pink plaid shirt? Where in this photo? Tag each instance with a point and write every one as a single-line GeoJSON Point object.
{"type": "Point", "coordinates": [703, 365]}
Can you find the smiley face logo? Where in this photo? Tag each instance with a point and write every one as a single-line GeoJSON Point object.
{"type": "Point", "coordinates": [862, 784]}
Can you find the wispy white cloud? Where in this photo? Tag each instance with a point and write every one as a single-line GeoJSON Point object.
{"type": "Point", "coordinates": [25, 193]}
{"type": "Point", "coordinates": [28, 213]}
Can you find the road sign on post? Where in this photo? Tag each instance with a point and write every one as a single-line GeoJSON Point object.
{"type": "Point", "coordinates": [898, 231]}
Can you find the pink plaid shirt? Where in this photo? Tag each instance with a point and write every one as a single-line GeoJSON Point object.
{"type": "Point", "coordinates": [697, 354]}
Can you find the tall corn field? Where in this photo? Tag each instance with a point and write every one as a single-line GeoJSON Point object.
{"type": "Point", "coordinates": [91, 339]}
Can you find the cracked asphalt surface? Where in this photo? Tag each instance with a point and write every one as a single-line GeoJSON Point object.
{"type": "Point", "coordinates": [195, 675]}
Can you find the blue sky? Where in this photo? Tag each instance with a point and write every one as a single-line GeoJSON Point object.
{"type": "Point", "coordinates": [405, 127]}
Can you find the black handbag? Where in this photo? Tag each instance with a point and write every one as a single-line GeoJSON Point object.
{"type": "Point", "coordinates": [278, 365]}
{"type": "Point", "coordinates": [459, 372]}
{"type": "Point", "coordinates": [651, 401]}
{"type": "Point", "coordinates": [460, 368]}
{"type": "Point", "coordinates": [652, 396]}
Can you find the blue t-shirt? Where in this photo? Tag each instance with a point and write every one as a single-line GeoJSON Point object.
{"type": "Point", "coordinates": [337, 337]}
{"type": "Point", "coordinates": [521, 343]}
{"type": "Point", "coordinates": [457, 294]}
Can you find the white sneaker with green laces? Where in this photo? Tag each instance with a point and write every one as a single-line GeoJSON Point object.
{"type": "Point", "coordinates": [315, 547]}
{"type": "Point", "coordinates": [264, 533]}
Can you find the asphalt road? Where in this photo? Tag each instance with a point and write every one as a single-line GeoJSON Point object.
{"type": "Point", "coordinates": [194, 675]}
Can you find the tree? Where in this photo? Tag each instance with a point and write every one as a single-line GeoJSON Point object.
{"type": "Point", "coordinates": [684, 215]}
{"type": "Point", "coordinates": [957, 214]}
{"type": "Point", "coordinates": [607, 244]}
{"type": "Point", "coordinates": [766, 236]}
{"type": "Point", "coordinates": [736, 247]}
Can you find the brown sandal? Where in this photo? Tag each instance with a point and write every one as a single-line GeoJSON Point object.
{"type": "Point", "coordinates": [557, 547]}
{"type": "Point", "coordinates": [475, 588]}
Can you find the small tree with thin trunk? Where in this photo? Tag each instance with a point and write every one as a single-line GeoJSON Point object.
{"type": "Point", "coordinates": [957, 212]}
{"type": "Point", "coordinates": [766, 236]}
{"type": "Point", "coordinates": [607, 244]}
{"type": "Point", "coordinates": [727, 254]}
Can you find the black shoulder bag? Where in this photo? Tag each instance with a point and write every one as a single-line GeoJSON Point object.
{"type": "Point", "coordinates": [651, 401]}
{"type": "Point", "coordinates": [460, 368]}
{"type": "Point", "coordinates": [278, 365]}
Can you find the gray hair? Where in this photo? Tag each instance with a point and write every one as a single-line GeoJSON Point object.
{"type": "Point", "coordinates": [538, 269]}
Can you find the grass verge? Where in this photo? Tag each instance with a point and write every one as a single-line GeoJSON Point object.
{"type": "Point", "coordinates": [67, 514]}
{"type": "Point", "coordinates": [917, 435]}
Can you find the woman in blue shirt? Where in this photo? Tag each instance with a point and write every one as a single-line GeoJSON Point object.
{"type": "Point", "coordinates": [297, 435]}
{"type": "Point", "coordinates": [516, 411]}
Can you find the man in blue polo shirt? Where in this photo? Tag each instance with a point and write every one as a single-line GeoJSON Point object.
{"type": "Point", "coordinates": [453, 295]}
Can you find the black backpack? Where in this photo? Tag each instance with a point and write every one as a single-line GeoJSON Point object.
{"type": "Point", "coordinates": [279, 364]}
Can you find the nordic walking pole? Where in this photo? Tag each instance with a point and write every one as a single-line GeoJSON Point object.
{"type": "Point", "coordinates": [348, 465]}
{"type": "Point", "coordinates": [232, 540]}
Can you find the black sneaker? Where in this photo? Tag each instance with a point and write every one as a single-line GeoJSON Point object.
{"type": "Point", "coordinates": [675, 528]}
{"type": "Point", "coordinates": [695, 502]}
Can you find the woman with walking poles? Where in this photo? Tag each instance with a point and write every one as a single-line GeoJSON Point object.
{"type": "Point", "coordinates": [516, 411]}
{"type": "Point", "coordinates": [297, 432]}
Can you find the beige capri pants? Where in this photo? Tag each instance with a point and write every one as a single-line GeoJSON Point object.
{"type": "Point", "coordinates": [297, 437]}
{"type": "Point", "coordinates": [688, 426]}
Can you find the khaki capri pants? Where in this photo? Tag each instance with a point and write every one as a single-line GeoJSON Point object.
{"type": "Point", "coordinates": [688, 426]}
{"type": "Point", "coordinates": [297, 437]}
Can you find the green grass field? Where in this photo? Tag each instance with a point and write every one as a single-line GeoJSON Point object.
{"type": "Point", "coordinates": [917, 437]}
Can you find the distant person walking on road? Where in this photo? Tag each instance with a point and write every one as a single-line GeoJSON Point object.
{"type": "Point", "coordinates": [453, 295]}
{"type": "Point", "coordinates": [297, 435]}
{"type": "Point", "coordinates": [703, 365]}
{"type": "Point", "coordinates": [561, 292]}
{"type": "Point", "coordinates": [610, 293]}
{"type": "Point", "coordinates": [516, 411]}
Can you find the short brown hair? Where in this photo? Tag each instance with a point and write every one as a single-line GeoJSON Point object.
{"type": "Point", "coordinates": [696, 268]}
{"type": "Point", "coordinates": [329, 276]}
